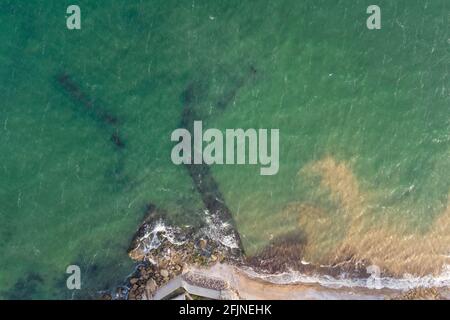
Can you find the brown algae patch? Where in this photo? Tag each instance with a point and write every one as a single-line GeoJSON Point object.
{"type": "Point", "coordinates": [393, 248]}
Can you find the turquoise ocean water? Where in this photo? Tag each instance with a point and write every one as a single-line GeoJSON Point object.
{"type": "Point", "coordinates": [363, 117]}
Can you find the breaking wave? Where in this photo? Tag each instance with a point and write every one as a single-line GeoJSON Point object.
{"type": "Point", "coordinates": [214, 229]}
{"type": "Point", "coordinates": [156, 233]}
{"type": "Point", "coordinates": [219, 231]}
{"type": "Point", "coordinates": [408, 282]}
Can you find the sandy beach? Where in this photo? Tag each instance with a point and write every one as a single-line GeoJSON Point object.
{"type": "Point", "coordinates": [249, 287]}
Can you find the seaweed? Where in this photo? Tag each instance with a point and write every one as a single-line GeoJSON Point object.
{"type": "Point", "coordinates": [79, 96]}
{"type": "Point", "coordinates": [201, 175]}
{"type": "Point", "coordinates": [104, 119]}
{"type": "Point", "coordinates": [89, 107]}
{"type": "Point", "coordinates": [118, 142]}
{"type": "Point", "coordinates": [25, 288]}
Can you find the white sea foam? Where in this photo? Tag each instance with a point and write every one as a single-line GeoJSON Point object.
{"type": "Point", "coordinates": [159, 231]}
{"type": "Point", "coordinates": [406, 283]}
{"type": "Point", "coordinates": [219, 231]}
{"type": "Point", "coordinates": [215, 229]}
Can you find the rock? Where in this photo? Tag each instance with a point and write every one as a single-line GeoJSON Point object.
{"type": "Point", "coordinates": [106, 296]}
{"type": "Point", "coordinates": [168, 260]}
{"type": "Point", "coordinates": [164, 273]}
{"type": "Point", "coordinates": [202, 243]}
{"type": "Point", "coordinates": [137, 254]}
{"type": "Point", "coordinates": [121, 293]}
{"type": "Point", "coordinates": [150, 288]}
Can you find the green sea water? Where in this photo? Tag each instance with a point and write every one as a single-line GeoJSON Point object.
{"type": "Point", "coordinates": [376, 100]}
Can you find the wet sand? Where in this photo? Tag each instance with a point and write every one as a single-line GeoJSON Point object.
{"type": "Point", "coordinates": [249, 287]}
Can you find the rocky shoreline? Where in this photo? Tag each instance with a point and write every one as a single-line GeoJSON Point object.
{"type": "Point", "coordinates": [163, 252]}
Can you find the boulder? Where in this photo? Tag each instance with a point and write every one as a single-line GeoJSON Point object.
{"type": "Point", "coordinates": [164, 273]}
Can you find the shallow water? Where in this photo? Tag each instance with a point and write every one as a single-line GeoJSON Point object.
{"type": "Point", "coordinates": [363, 118]}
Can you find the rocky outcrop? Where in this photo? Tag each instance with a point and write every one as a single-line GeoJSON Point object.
{"type": "Point", "coordinates": [164, 251]}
